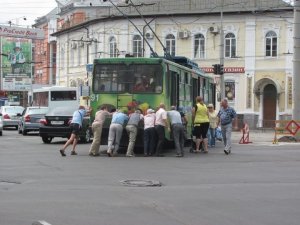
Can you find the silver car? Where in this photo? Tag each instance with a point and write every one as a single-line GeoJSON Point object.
{"type": "Point", "coordinates": [30, 120]}
{"type": "Point", "coordinates": [11, 115]}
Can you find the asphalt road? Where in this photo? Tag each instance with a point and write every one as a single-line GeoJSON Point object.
{"type": "Point", "coordinates": [258, 184]}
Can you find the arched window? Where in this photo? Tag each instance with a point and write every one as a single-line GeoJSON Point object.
{"type": "Point", "coordinates": [271, 44]}
{"type": "Point", "coordinates": [137, 46]}
{"type": "Point", "coordinates": [113, 47]}
{"type": "Point", "coordinates": [199, 43]}
{"type": "Point", "coordinates": [230, 45]}
{"type": "Point", "coordinates": [170, 44]}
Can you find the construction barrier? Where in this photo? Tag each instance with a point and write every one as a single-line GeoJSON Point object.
{"type": "Point", "coordinates": [245, 138]}
{"type": "Point", "coordinates": [288, 128]}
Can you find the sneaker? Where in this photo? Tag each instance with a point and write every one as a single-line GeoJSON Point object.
{"type": "Point", "coordinates": [226, 152]}
{"type": "Point", "coordinates": [94, 154]}
{"type": "Point", "coordinates": [62, 152]}
{"type": "Point", "coordinates": [178, 155]}
{"type": "Point", "coordinates": [73, 153]}
{"type": "Point", "coordinates": [129, 155]}
{"type": "Point", "coordinates": [109, 153]}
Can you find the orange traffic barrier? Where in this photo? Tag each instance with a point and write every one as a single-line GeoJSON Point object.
{"type": "Point", "coordinates": [245, 138]}
{"type": "Point", "coordinates": [285, 128]}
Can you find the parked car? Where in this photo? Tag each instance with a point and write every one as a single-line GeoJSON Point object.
{"type": "Point", "coordinates": [1, 124]}
{"type": "Point", "coordinates": [11, 115]}
{"type": "Point", "coordinates": [56, 123]}
{"type": "Point", "coordinates": [30, 119]}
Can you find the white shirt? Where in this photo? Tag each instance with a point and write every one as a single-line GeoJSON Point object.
{"type": "Point", "coordinates": [161, 117]}
{"type": "Point", "coordinates": [149, 120]}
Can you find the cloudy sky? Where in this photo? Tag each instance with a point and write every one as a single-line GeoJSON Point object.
{"type": "Point", "coordinates": [16, 10]}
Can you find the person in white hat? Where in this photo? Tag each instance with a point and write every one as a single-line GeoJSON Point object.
{"type": "Point", "coordinates": [149, 133]}
{"type": "Point", "coordinates": [17, 58]}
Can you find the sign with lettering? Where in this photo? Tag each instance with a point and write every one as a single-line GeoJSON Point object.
{"type": "Point", "coordinates": [18, 32]}
{"type": "Point", "coordinates": [226, 69]}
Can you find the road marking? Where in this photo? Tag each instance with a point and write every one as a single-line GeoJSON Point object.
{"type": "Point", "coordinates": [41, 222]}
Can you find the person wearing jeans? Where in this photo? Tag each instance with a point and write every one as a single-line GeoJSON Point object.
{"type": "Point", "coordinates": [226, 115]}
{"type": "Point", "coordinates": [160, 124]}
{"type": "Point", "coordinates": [213, 124]}
{"type": "Point", "coordinates": [149, 133]}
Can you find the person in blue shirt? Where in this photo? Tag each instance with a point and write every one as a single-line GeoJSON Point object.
{"type": "Point", "coordinates": [115, 132]}
{"type": "Point", "coordinates": [226, 115]}
{"type": "Point", "coordinates": [75, 125]}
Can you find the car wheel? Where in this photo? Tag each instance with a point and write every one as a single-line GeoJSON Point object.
{"type": "Point", "coordinates": [47, 140]}
{"type": "Point", "coordinates": [0, 133]}
{"type": "Point", "coordinates": [16, 127]}
{"type": "Point", "coordinates": [87, 137]}
{"type": "Point", "coordinates": [24, 132]}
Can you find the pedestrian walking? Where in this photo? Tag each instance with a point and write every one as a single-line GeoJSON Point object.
{"type": "Point", "coordinates": [226, 115]}
{"type": "Point", "coordinates": [115, 132]}
{"type": "Point", "coordinates": [97, 125]}
{"type": "Point", "coordinates": [201, 124]}
{"type": "Point", "coordinates": [177, 129]}
{"type": "Point", "coordinates": [160, 125]}
{"type": "Point", "coordinates": [213, 124]}
{"type": "Point", "coordinates": [76, 125]}
{"type": "Point", "coordinates": [149, 133]}
{"type": "Point", "coordinates": [132, 130]}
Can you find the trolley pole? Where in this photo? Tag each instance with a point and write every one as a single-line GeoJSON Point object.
{"type": "Point", "coordinates": [296, 62]}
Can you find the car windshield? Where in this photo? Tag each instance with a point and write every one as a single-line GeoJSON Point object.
{"type": "Point", "coordinates": [14, 110]}
{"type": "Point", "coordinates": [61, 111]}
{"type": "Point", "coordinates": [37, 110]}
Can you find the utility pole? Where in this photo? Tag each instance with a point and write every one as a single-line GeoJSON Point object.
{"type": "Point", "coordinates": [296, 61]}
{"type": "Point", "coordinates": [222, 84]}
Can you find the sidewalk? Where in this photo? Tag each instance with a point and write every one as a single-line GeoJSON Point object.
{"type": "Point", "coordinates": [255, 136]}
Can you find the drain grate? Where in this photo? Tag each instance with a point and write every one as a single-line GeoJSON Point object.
{"type": "Point", "coordinates": [141, 183]}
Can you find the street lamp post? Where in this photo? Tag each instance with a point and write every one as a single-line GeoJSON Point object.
{"type": "Point", "coordinates": [222, 84]}
{"type": "Point", "coordinates": [296, 62]}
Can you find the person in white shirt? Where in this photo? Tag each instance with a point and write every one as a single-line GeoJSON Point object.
{"type": "Point", "coordinates": [149, 133]}
{"type": "Point", "coordinates": [160, 124]}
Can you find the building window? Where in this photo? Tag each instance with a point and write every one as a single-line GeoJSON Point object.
{"type": "Point", "coordinates": [230, 45]}
{"type": "Point", "coordinates": [271, 44]}
{"type": "Point", "coordinates": [199, 46]}
{"type": "Point", "coordinates": [170, 44]}
{"type": "Point", "coordinates": [112, 47]}
{"type": "Point", "coordinates": [137, 46]}
{"type": "Point", "coordinates": [62, 58]}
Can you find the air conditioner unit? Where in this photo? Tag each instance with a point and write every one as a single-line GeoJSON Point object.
{"type": "Point", "coordinates": [73, 45]}
{"type": "Point", "coordinates": [184, 34]}
{"type": "Point", "coordinates": [213, 29]}
{"type": "Point", "coordinates": [149, 35]}
{"type": "Point", "coordinates": [80, 44]}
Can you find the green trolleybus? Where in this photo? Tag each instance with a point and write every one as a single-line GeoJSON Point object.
{"type": "Point", "coordinates": [131, 83]}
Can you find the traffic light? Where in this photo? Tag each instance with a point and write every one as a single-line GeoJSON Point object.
{"type": "Point", "coordinates": [218, 69]}
{"type": "Point", "coordinates": [221, 69]}
{"type": "Point", "coordinates": [215, 68]}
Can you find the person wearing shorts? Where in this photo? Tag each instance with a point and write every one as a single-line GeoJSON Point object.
{"type": "Point", "coordinates": [201, 124]}
{"type": "Point", "coordinates": [75, 125]}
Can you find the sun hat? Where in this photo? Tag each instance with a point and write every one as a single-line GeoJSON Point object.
{"type": "Point", "coordinates": [150, 111]}
{"type": "Point", "coordinates": [210, 105]}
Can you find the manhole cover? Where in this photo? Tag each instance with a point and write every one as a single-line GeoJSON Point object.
{"type": "Point", "coordinates": [141, 183]}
